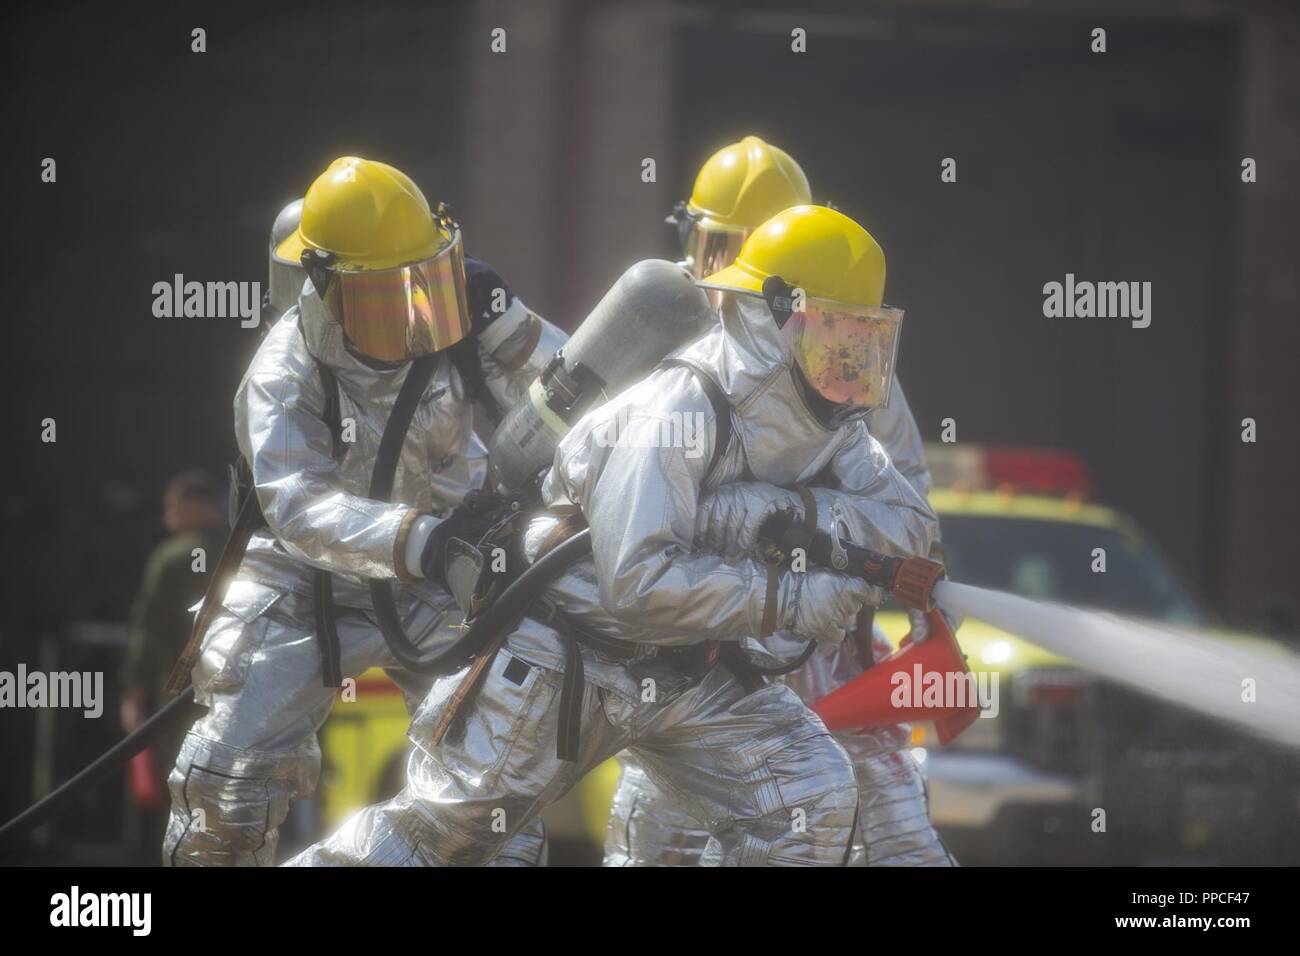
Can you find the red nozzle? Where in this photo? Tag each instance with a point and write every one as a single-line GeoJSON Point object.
{"type": "Point", "coordinates": [870, 699]}
{"type": "Point", "coordinates": [914, 583]}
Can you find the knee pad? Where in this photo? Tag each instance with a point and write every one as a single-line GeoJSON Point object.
{"type": "Point", "coordinates": [227, 804]}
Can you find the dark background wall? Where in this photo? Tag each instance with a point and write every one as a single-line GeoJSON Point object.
{"type": "Point", "coordinates": [1116, 167]}
{"type": "Point", "coordinates": [172, 162]}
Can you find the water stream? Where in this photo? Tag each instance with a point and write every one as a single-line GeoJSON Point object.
{"type": "Point", "coordinates": [1253, 684]}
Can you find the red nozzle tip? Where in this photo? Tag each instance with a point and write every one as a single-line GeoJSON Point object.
{"type": "Point", "coordinates": [914, 583]}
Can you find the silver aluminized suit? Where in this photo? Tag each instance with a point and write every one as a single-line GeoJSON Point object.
{"type": "Point", "coordinates": [647, 827]}
{"type": "Point", "coordinates": [259, 673]}
{"type": "Point", "coordinates": [760, 767]}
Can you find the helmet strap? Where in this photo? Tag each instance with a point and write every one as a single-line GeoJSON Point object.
{"type": "Point", "coordinates": [779, 295]}
{"type": "Point", "coordinates": [316, 263]}
{"type": "Point", "coordinates": [446, 217]}
{"type": "Point", "coordinates": [683, 221]}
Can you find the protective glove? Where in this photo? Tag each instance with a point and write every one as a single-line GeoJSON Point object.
{"type": "Point", "coordinates": [826, 604]}
{"type": "Point", "coordinates": [481, 285]}
{"type": "Point", "coordinates": [920, 623]}
{"type": "Point", "coordinates": [461, 523]}
{"type": "Point", "coordinates": [729, 518]}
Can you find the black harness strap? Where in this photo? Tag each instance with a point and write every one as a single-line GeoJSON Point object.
{"type": "Point", "coordinates": [568, 735]}
{"type": "Point", "coordinates": [327, 633]}
{"type": "Point", "coordinates": [408, 398]}
{"type": "Point", "coordinates": [332, 414]}
{"type": "Point", "coordinates": [465, 359]}
{"type": "Point", "coordinates": [249, 518]}
{"type": "Point", "coordinates": [464, 356]}
{"type": "Point", "coordinates": [381, 489]}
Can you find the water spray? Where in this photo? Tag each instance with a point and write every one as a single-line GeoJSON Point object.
{"type": "Point", "coordinates": [1254, 685]}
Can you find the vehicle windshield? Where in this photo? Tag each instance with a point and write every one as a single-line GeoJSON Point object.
{"type": "Point", "coordinates": [1052, 561]}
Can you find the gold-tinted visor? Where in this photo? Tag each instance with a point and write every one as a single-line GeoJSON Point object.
{"type": "Point", "coordinates": [397, 314]}
{"type": "Point", "coordinates": [846, 352]}
{"type": "Point", "coordinates": [710, 248]}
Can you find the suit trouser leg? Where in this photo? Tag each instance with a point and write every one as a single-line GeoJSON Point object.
{"type": "Point", "coordinates": [255, 749]}
{"type": "Point", "coordinates": [759, 770]}
{"type": "Point", "coordinates": [478, 792]}
{"type": "Point", "coordinates": [760, 767]}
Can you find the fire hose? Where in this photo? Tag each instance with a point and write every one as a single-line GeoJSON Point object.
{"type": "Point", "coordinates": [910, 580]}
{"type": "Point", "coordinates": [180, 708]}
{"type": "Point", "coordinates": [502, 615]}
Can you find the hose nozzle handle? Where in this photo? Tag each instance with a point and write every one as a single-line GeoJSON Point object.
{"type": "Point", "coordinates": [910, 580]}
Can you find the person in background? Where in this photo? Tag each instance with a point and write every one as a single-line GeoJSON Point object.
{"type": "Point", "coordinates": [175, 576]}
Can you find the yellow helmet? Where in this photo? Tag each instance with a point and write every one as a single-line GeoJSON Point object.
{"type": "Point", "coordinates": [747, 183]}
{"type": "Point", "coordinates": [390, 269]}
{"type": "Point", "coordinates": [369, 215]}
{"type": "Point", "coordinates": [814, 248]}
{"type": "Point", "coordinates": [738, 188]}
{"type": "Point", "coordinates": [823, 276]}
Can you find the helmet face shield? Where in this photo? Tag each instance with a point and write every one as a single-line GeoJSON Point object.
{"type": "Point", "coordinates": [846, 352]}
{"type": "Point", "coordinates": [707, 246]}
{"type": "Point", "coordinates": [402, 313]}
{"type": "Point", "coordinates": [710, 248]}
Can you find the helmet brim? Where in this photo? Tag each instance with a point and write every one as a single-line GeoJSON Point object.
{"type": "Point", "coordinates": [735, 276]}
{"type": "Point", "coordinates": [291, 249]}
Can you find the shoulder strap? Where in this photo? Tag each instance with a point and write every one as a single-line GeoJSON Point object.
{"type": "Point", "coordinates": [417, 380]}
{"type": "Point", "coordinates": [327, 635]}
{"type": "Point", "coordinates": [721, 410]}
{"type": "Point", "coordinates": [390, 450]}
{"type": "Point", "coordinates": [464, 356]}
{"type": "Point", "coordinates": [333, 412]}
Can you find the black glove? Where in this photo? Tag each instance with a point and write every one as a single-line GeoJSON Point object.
{"type": "Point", "coordinates": [461, 523]}
{"type": "Point", "coordinates": [481, 285]}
